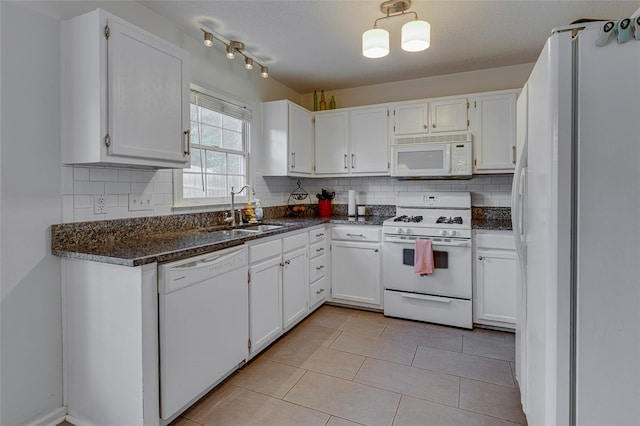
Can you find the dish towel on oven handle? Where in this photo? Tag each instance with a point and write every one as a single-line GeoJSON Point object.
{"type": "Point", "coordinates": [423, 257]}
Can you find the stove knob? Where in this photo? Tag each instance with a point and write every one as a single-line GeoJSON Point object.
{"type": "Point", "coordinates": [408, 231]}
{"type": "Point", "coordinates": [452, 233]}
{"type": "Point", "coordinates": [400, 231]}
{"type": "Point", "coordinates": [443, 232]}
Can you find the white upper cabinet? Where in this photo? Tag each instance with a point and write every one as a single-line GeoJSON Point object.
{"type": "Point", "coordinates": [369, 137]}
{"type": "Point", "coordinates": [449, 115]}
{"type": "Point", "coordinates": [493, 124]}
{"type": "Point", "coordinates": [287, 132]}
{"type": "Point", "coordinates": [332, 142]}
{"type": "Point", "coordinates": [125, 95]}
{"type": "Point", "coordinates": [354, 141]}
{"type": "Point", "coordinates": [411, 118]}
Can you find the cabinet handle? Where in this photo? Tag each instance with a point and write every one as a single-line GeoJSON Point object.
{"type": "Point", "coordinates": [319, 235]}
{"type": "Point", "coordinates": [287, 262]}
{"type": "Point", "coordinates": [513, 154]}
{"type": "Point", "coordinates": [293, 160]}
{"type": "Point", "coordinates": [353, 161]}
{"type": "Point", "coordinates": [318, 250]}
{"type": "Point", "coordinates": [318, 268]}
{"type": "Point", "coordinates": [281, 264]}
{"type": "Point", "coordinates": [345, 162]}
{"type": "Point", "coordinates": [320, 291]}
{"type": "Point", "coordinates": [375, 251]}
{"type": "Point", "coordinates": [425, 126]}
{"type": "Point", "coordinates": [480, 258]}
{"type": "Point", "coordinates": [187, 137]}
{"type": "Point", "coordinates": [355, 235]}
{"type": "Point", "coordinates": [433, 125]}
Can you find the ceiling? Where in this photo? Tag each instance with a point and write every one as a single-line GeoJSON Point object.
{"type": "Point", "coordinates": [310, 44]}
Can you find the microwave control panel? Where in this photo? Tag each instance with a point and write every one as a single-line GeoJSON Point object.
{"type": "Point", "coordinates": [461, 159]}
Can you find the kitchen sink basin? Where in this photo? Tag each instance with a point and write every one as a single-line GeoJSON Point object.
{"type": "Point", "coordinates": [243, 232]}
{"type": "Point", "coordinates": [260, 228]}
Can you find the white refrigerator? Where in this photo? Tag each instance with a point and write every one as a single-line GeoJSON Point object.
{"type": "Point", "coordinates": [576, 217]}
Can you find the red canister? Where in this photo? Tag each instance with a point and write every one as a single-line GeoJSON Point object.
{"type": "Point", "coordinates": [324, 208]}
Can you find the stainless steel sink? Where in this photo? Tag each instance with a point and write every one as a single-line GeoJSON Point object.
{"type": "Point", "coordinates": [260, 228]}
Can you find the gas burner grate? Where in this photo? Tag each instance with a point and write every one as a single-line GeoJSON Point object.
{"type": "Point", "coordinates": [405, 218]}
{"type": "Point", "coordinates": [449, 220]}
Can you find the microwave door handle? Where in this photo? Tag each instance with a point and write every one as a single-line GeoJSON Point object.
{"type": "Point", "coordinates": [448, 159]}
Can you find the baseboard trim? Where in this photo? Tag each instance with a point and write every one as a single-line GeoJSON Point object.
{"type": "Point", "coordinates": [52, 418]}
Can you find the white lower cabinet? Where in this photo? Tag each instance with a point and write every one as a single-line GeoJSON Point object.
{"type": "Point", "coordinates": [265, 293]}
{"type": "Point", "coordinates": [495, 279]}
{"type": "Point", "coordinates": [356, 265]}
{"type": "Point", "coordinates": [294, 287]}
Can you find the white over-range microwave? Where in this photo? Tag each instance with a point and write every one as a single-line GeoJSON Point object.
{"type": "Point", "coordinates": [432, 157]}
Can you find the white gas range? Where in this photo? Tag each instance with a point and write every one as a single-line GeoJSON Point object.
{"type": "Point", "coordinates": [444, 296]}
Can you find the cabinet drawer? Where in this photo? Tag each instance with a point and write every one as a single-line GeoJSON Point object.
{"type": "Point", "coordinates": [266, 250]}
{"type": "Point", "coordinates": [318, 249]}
{"type": "Point", "coordinates": [318, 267]}
{"type": "Point", "coordinates": [356, 233]}
{"type": "Point", "coordinates": [442, 310]}
{"type": "Point", "coordinates": [317, 235]}
{"type": "Point", "coordinates": [500, 241]}
{"type": "Point", "coordinates": [318, 291]}
{"type": "Point", "coordinates": [293, 242]}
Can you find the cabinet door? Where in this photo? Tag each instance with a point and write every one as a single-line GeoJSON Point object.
{"type": "Point", "coordinates": [295, 285]}
{"type": "Point", "coordinates": [265, 302]}
{"type": "Point", "coordinates": [496, 287]}
{"type": "Point", "coordinates": [148, 96]}
{"type": "Point", "coordinates": [369, 140]}
{"type": "Point", "coordinates": [494, 133]}
{"type": "Point", "coordinates": [449, 115]}
{"type": "Point", "coordinates": [332, 143]}
{"type": "Point", "coordinates": [300, 141]}
{"type": "Point", "coordinates": [410, 118]}
{"type": "Point", "coordinates": [356, 272]}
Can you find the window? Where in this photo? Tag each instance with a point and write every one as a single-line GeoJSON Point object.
{"type": "Point", "coordinates": [219, 152]}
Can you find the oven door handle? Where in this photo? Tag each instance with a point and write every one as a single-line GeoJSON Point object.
{"type": "Point", "coordinates": [425, 297]}
{"type": "Point", "coordinates": [434, 241]}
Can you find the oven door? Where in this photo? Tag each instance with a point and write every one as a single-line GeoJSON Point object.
{"type": "Point", "coordinates": [421, 160]}
{"type": "Point", "coordinates": [452, 273]}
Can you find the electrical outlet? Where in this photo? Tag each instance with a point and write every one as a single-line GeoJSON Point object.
{"type": "Point", "coordinates": [140, 202]}
{"type": "Point", "coordinates": [99, 204]}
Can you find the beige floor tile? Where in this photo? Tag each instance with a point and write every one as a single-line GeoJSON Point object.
{"type": "Point", "coordinates": [486, 334]}
{"type": "Point", "coordinates": [425, 384]}
{"type": "Point", "coordinates": [337, 421]}
{"type": "Point", "coordinates": [417, 334]}
{"type": "Point", "coordinates": [345, 399]}
{"type": "Point", "coordinates": [309, 332]}
{"type": "Point", "coordinates": [181, 421]}
{"type": "Point", "coordinates": [330, 316]}
{"type": "Point", "coordinates": [241, 407]}
{"type": "Point", "coordinates": [413, 411]}
{"type": "Point", "coordinates": [267, 377]}
{"type": "Point", "coordinates": [505, 351]}
{"type": "Point", "coordinates": [319, 359]}
{"type": "Point", "coordinates": [374, 347]}
{"type": "Point", "coordinates": [464, 365]}
{"type": "Point", "coordinates": [493, 400]}
{"type": "Point", "coordinates": [363, 325]}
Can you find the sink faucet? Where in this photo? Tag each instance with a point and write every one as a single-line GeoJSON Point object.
{"type": "Point", "coordinates": [233, 201]}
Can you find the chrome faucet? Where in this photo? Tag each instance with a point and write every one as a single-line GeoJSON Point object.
{"type": "Point", "coordinates": [233, 202]}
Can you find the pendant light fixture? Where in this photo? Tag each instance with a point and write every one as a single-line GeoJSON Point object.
{"type": "Point", "coordinates": [416, 34]}
{"type": "Point", "coordinates": [233, 48]}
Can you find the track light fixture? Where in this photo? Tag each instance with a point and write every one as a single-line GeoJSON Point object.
{"type": "Point", "coordinates": [416, 34]}
{"type": "Point", "coordinates": [233, 48]}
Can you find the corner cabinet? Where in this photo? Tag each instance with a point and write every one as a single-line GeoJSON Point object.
{"type": "Point", "coordinates": [493, 124]}
{"type": "Point", "coordinates": [287, 132]}
{"type": "Point", "coordinates": [125, 95]}
{"type": "Point", "coordinates": [495, 279]}
{"type": "Point", "coordinates": [353, 142]}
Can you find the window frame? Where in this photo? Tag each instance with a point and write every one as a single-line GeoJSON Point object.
{"type": "Point", "coordinates": [179, 201]}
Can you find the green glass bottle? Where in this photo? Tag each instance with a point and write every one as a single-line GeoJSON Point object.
{"type": "Point", "coordinates": [332, 103]}
{"type": "Point", "coordinates": [315, 100]}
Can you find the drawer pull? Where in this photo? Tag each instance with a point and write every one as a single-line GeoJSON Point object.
{"type": "Point", "coordinates": [320, 291]}
{"type": "Point", "coordinates": [320, 235]}
{"type": "Point", "coordinates": [356, 235]}
{"type": "Point", "coordinates": [319, 267]}
{"type": "Point", "coordinates": [318, 250]}
{"type": "Point", "coordinates": [425, 297]}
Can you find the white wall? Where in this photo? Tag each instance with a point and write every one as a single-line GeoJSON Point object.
{"type": "Point", "coordinates": [31, 336]}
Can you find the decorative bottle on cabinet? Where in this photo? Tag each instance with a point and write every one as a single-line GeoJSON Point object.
{"type": "Point", "coordinates": [332, 103]}
{"type": "Point", "coordinates": [323, 102]}
{"type": "Point", "coordinates": [315, 100]}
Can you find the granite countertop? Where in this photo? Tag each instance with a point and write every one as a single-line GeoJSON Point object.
{"type": "Point", "coordinates": [180, 244]}
{"type": "Point", "coordinates": [492, 224]}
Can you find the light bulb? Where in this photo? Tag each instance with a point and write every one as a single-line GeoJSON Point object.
{"type": "Point", "coordinates": [208, 39]}
{"type": "Point", "coordinates": [248, 63]}
{"type": "Point", "coordinates": [375, 43]}
{"type": "Point", "coordinates": [416, 36]}
{"type": "Point", "coordinates": [230, 53]}
{"type": "Point", "coordinates": [264, 72]}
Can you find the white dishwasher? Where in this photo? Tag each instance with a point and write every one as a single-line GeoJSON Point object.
{"type": "Point", "coordinates": [204, 324]}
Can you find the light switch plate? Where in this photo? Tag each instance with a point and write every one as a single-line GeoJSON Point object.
{"type": "Point", "coordinates": [140, 202]}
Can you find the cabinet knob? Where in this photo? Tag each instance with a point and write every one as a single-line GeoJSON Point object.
{"type": "Point", "coordinates": [480, 258]}
{"type": "Point", "coordinates": [433, 125]}
{"type": "Point", "coordinates": [375, 250]}
{"type": "Point", "coordinates": [425, 126]}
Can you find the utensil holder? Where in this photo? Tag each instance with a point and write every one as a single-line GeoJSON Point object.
{"type": "Point", "coordinates": [324, 208]}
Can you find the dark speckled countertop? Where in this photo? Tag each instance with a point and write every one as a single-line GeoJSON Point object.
{"type": "Point", "coordinates": [495, 218]}
{"type": "Point", "coordinates": [135, 242]}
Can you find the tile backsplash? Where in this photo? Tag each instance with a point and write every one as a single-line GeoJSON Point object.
{"type": "Point", "coordinates": [82, 184]}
